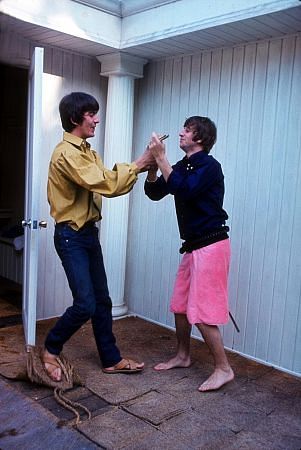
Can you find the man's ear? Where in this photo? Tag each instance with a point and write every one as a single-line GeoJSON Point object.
{"type": "Point", "coordinates": [72, 121]}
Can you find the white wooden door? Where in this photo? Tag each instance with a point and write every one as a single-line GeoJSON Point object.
{"type": "Point", "coordinates": [32, 223]}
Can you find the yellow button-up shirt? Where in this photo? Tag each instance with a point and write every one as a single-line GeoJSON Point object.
{"type": "Point", "coordinates": [77, 180]}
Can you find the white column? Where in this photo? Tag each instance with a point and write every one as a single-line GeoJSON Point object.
{"type": "Point", "coordinates": [122, 70]}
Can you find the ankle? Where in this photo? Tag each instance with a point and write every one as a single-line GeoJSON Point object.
{"type": "Point", "coordinates": [49, 355]}
{"type": "Point", "coordinates": [183, 356]}
{"type": "Point", "coordinates": [226, 368]}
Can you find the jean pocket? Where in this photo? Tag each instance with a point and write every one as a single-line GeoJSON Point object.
{"type": "Point", "coordinates": [63, 236]}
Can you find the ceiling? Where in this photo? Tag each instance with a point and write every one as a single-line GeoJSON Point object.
{"type": "Point", "coordinates": [124, 8]}
{"type": "Point", "coordinates": [267, 26]}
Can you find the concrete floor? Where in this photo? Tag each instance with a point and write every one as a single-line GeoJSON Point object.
{"type": "Point", "coordinates": [260, 409]}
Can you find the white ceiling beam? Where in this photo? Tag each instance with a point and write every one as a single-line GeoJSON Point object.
{"type": "Point", "coordinates": [67, 17]}
{"type": "Point", "coordinates": [186, 16]}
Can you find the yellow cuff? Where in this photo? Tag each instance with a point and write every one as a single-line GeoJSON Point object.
{"type": "Point", "coordinates": [134, 168]}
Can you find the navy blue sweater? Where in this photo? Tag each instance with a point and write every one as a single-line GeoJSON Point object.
{"type": "Point", "coordinates": [197, 184]}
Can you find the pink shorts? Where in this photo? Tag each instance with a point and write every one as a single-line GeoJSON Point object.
{"type": "Point", "coordinates": [201, 286]}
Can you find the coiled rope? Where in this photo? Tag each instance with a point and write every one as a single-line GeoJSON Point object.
{"type": "Point", "coordinates": [37, 374]}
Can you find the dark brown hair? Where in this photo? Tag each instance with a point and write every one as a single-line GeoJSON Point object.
{"type": "Point", "coordinates": [204, 131]}
{"type": "Point", "coordinates": [73, 106]}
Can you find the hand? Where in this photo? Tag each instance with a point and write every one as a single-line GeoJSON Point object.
{"type": "Point", "coordinates": [156, 147]}
{"type": "Point", "coordinates": [146, 161]}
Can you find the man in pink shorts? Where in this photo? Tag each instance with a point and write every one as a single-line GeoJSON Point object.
{"type": "Point", "coordinates": [200, 294]}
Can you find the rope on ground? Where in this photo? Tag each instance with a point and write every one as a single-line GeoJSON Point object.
{"type": "Point", "coordinates": [70, 404]}
{"type": "Point", "coordinates": [37, 374]}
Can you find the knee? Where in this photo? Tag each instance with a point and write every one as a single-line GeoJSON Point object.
{"type": "Point", "coordinates": [104, 302]}
{"type": "Point", "coordinates": [85, 312]}
{"type": "Point", "coordinates": [108, 303]}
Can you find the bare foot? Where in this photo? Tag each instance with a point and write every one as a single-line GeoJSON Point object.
{"type": "Point", "coordinates": [217, 380]}
{"type": "Point", "coordinates": [177, 361]}
{"type": "Point", "coordinates": [52, 367]}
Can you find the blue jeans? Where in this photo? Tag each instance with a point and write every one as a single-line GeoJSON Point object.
{"type": "Point", "coordinates": [81, 256]}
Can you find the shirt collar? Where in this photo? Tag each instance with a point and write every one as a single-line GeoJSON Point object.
{"type": "Point", "coordinates": [196, 157]}
{"type": "Point", "coordinates": [75, 140]}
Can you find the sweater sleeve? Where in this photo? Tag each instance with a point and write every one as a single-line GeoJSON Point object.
{"type": "Point", "coordinates": [156, 190]}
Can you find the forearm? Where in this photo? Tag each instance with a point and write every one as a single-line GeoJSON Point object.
{"type": "Point", "coordinates": [118, 181]}
{"type": "Point", "coordinates": [164, 166]}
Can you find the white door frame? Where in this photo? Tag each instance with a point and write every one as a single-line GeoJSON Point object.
{"type": "Point", "coordinates": [31, 222]}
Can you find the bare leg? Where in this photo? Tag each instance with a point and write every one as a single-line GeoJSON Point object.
{"type": "Point", "coordinates": [222, 373]}
{"type": "Point", "coordinates": [182, 358]}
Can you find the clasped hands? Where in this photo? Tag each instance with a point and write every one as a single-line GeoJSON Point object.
{"type": "Point", "coordinates": [152, 154]}
{"type": "Point", "coordinates": [154, 151]}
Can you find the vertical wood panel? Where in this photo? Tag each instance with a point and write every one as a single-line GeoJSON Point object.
{"type": "Point", "coordinates": [194, 90]}
{"type": "Point", "coordinates": [291, 342]}
{"type": "Point", "coordinates": [285, 302]}
{"type": "Point", "coordinates": [240, 251]}
{"type": "Point", "coordinates": [272, 175]}
{"type": "Point", "coordinates": [253, 93]}
{"type": "Point", "coordinates": [251, 210]}
{"type": "Point", "coordinates": [204, 83]}
{"type": "Point", "coordinates": [230, 164]}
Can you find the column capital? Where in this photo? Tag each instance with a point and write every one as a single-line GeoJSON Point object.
{"type": "Point", "coordinates": [121, 64]}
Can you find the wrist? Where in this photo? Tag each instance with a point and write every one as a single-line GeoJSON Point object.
{"type": "Point", "coordinates": [151, 177]}
{"type": "Point", "coordinates": [160, 158]}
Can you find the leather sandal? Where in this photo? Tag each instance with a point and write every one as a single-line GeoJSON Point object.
{"type": "Point", "coordinates": [126, 365]}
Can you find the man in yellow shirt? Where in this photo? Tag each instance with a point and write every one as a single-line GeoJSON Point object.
{"type": "Point", "coordinates": [77, 180]}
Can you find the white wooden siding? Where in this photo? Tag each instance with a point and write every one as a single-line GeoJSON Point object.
{"type": "Point", "coordinates": [253, 94]}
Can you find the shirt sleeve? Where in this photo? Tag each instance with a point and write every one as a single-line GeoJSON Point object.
{"type": "Point", "coordinates": [188, 184]}
{"type": "Point", "coordinates": [156, 190]}
{"type": "Point", "coordinates": [93, 176]}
